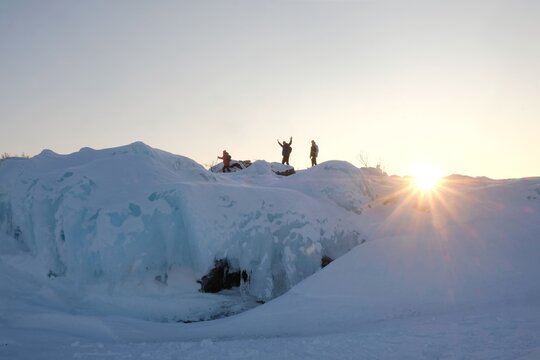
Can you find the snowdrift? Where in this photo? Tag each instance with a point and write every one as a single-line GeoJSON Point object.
{"type": "Point", "coordinates": [137, 215]}
{"type": "Point", "coordinates": [94, 244]}
{"type": "Point", "coordinates": [472, 244]}
{"type": "Point", "coordinates": [472, 247]}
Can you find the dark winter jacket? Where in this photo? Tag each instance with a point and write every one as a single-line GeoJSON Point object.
{"type": "Point", "coordinates": [286, 146]}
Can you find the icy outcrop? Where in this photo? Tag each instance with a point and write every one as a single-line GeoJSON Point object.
{"type": "Point", "coordinates": [133, 212]}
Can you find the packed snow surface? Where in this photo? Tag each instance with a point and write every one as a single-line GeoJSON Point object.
{"type": "Point", "coordinates": [101, 250]}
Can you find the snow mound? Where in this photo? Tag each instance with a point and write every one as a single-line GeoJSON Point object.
{"type": "Point", "coordinates": [474, 248]}
{"type": "Point", "coordinates": [476, 244]}
{"type": "Point", "coordinates": [132, 216]}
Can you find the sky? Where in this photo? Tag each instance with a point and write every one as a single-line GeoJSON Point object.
{"type": "Point", "coordinates": [451, 83]}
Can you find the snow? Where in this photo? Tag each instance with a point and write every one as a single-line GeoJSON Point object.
{"type": "Point", "coordinates": [100, 251]}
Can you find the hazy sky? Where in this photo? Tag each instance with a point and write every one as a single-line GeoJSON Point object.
{"type": "Point", "coordinates": [455, 83]}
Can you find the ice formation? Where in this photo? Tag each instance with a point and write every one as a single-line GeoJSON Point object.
{"type": "Point", "coordinates": [135, 214]}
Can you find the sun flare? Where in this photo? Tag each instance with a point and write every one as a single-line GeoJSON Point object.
{"type": "Point", "coordinates": [426, 177]}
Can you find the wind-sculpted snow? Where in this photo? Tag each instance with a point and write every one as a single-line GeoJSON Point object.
{"type": "Point", "coordinates": [133, 213]}
{"type": "Point", "coordinates": [95, 243]}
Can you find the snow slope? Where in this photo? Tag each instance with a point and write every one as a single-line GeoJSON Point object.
{"type": "Point", "coordinates": [449, 274]}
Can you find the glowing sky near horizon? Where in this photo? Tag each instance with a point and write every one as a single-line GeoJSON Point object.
{"type": "Point", "coordinates": [452, 83]}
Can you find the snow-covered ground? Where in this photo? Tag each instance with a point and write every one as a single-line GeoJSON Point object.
{"type": "Point", "coordinates": [101, 250]}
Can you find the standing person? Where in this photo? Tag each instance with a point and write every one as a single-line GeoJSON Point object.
{"type": "Point", "coordinates": [226, 157]}
{"type": "Point", "coordinates": [286, 152]}
{"type": "Point", "coordinates": [313, 153]}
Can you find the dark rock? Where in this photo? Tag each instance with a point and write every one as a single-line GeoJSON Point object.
{"type": "Point", "coordinates": [325, 260]}
{"type": "Point", "coordinates": [221, 276]}
{"type": "Point", "coordinates": [162, 278]}
{"type": "Point", "coordinates": [287, 172]}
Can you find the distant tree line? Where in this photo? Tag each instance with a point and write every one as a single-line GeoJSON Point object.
{"type": "Point", "coordinates": [5, 156]}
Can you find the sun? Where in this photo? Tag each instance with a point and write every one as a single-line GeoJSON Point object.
{"type": "Point", "coordinates": [426, 177]}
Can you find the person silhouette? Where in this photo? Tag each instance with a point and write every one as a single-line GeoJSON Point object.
{"type": "Point", "coordinates": [226, 157]}
{"type": "Point", "coordinates": [314, 152]}
{"type": "Point", "coordinates": [286, 150]}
